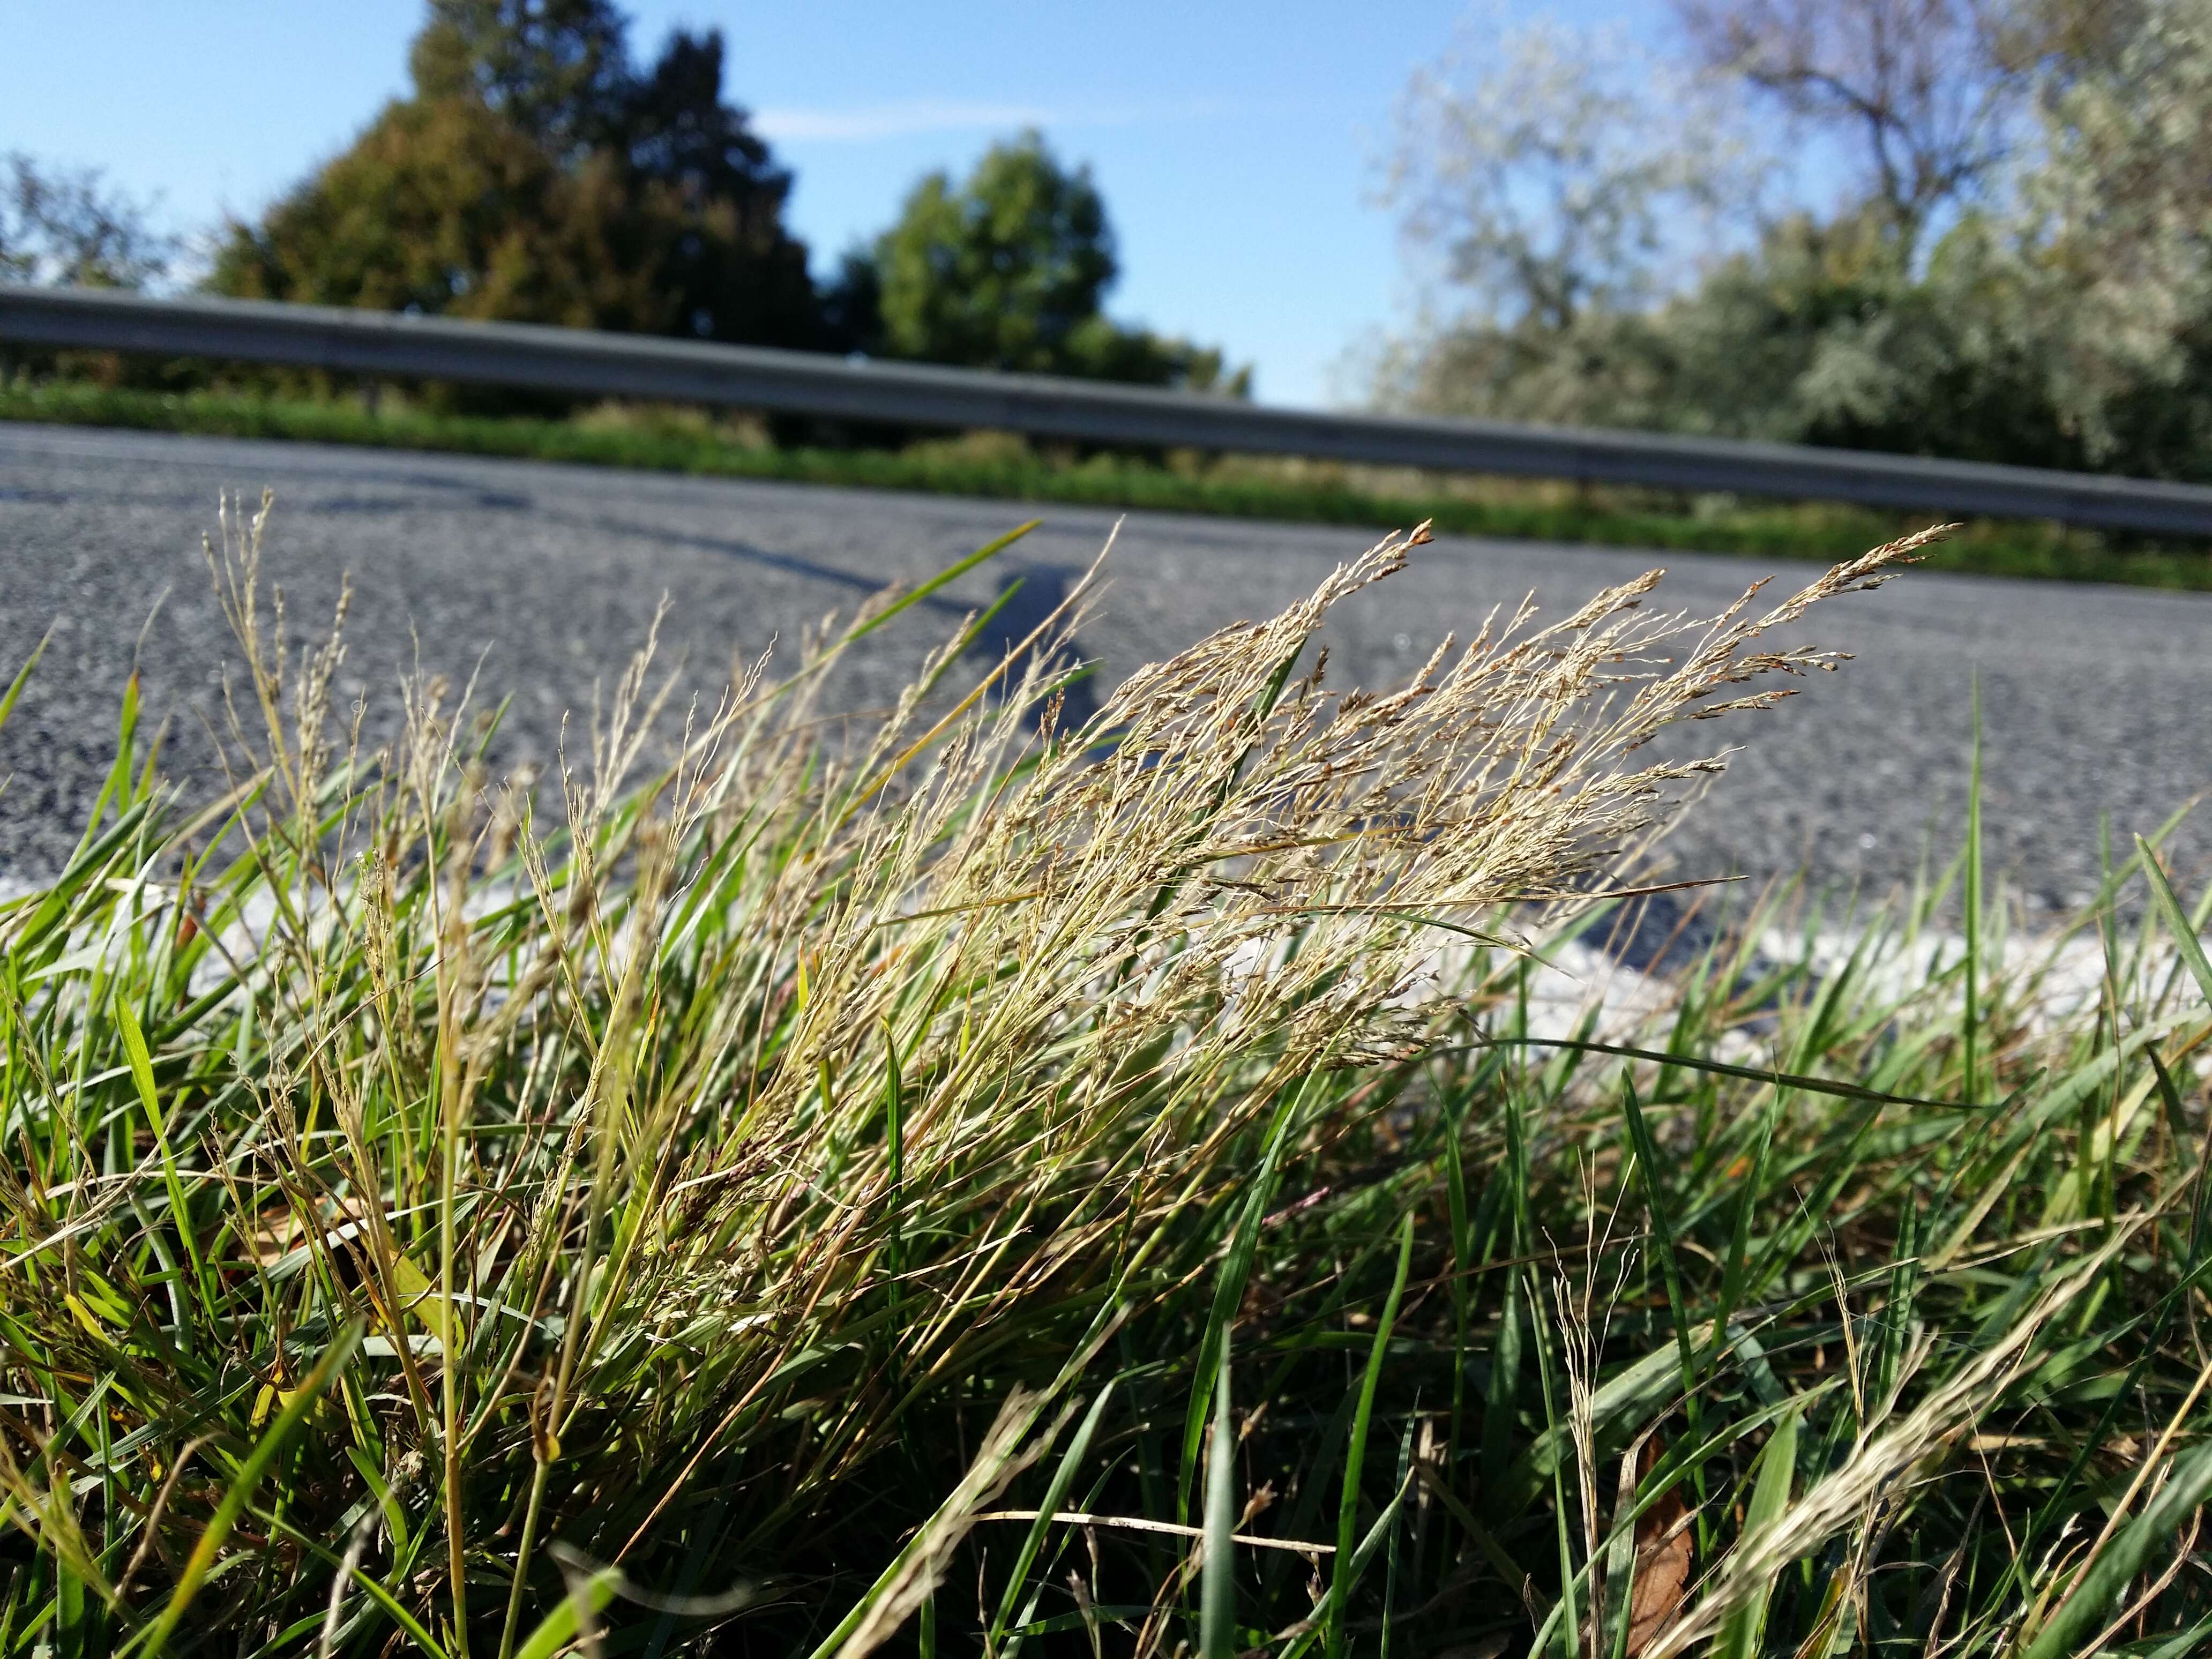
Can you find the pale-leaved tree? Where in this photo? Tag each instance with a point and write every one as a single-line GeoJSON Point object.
{"type": "Point", "coordinates": [2116, 220]}
{"type": "Point", "coordinates": [2018, 266]}
{"type": "Point", "coordinates": [1927, 97]}
{"type": "Point", "coordinates": [1547, 174]}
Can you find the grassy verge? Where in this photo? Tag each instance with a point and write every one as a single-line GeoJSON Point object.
{"type": "Point", "coordinates": [995, 1190]}
{"type": "Point", "coordinates": [1232, 487]}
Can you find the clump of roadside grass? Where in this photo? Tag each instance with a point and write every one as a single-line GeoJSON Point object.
{"type": "Point", "coordinates": [988, 1186]}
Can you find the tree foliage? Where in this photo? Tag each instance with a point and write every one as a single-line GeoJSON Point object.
{"type": "Point", "coordinates": [61, 226]}
{"type": "Point", "coordinates": [1925, 94]}
{"type": "Point", "coordinates": [1002, 271]}
{"type": "Point", "coordinates": [2019, 269]}
{"type": "Point", "coordinates": [536, 175]}
{"type": "Point", "coordinates": [1541, 171]}
{"type": "Point", "coordinates": [1010, 270]}
{"type": "Point", "coordinates": [558, 71]}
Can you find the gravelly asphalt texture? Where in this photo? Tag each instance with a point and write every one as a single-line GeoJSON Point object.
{"type": "Point", "coordinates": [2094, 699]}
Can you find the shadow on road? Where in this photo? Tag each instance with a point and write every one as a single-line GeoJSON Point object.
{"type": "Point", "coordinates": [1031, 595]}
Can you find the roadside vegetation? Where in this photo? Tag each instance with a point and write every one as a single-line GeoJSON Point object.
{"type": "Point", "coordinates": [1002, 467]}
{"type": "Point", "coordinates": [970, 1185]}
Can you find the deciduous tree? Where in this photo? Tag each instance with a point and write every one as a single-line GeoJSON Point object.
{"type": "Point", "coordinates": [2020, 270]}
{"type": "Point", "coordinates": [1544, 174]}
{"type": "Point", "coordinates": [1010, 270]}
{"type": "Point", "coordinates": [61, 226]}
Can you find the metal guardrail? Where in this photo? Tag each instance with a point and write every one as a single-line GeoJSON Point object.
{"type": "Point", "coordinates": [805, 383]}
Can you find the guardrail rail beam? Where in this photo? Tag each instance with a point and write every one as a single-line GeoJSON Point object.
{"type": "Point", "coordinates": [582, 362]}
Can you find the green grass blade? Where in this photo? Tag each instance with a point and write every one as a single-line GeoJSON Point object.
{"type": "Point", "coordinates": [895, 1156]}
{"type": "Point", "coordinates": [1663, 1227]}
{"type": "Point", "coordinates": [1462, 1244]}
{"type": "Point", "coordinates": [1403, 1484]}
{"type": "Point", "coordinates": [1055, 1494]}
{"type": "Point", "coordinates": [951, 573]}
{"type": "Point", "coordinates": [241, 1489]}
{"type": "Point", "coordinates": [1800, 1081]}
{"type": "Point", "coordinates": [1501, 1402]}
{"type": "Point", "coordinates": [1355, 1455]}
{"type": "Point", "coordinates": [1217, 1620]}
{"type": "Point", "coordinates": [22, 676]}
{"type": "Point", "coordinates": [2176, 917]}
{"type": "Point", "coordinates": [1971, 1013]}
{"type": "Point", "coordinates": [117, 789]}
{"type": "Point", "coordinates": [1228, 1289]}
{"type": "Point", "coordinates": [973, 632]}
{"type": "Point", "coordinates": [1320, 1620]}
{"type": "Point", "coordinates": [392, 1607]}
{"type": "Point", "coordinates": [1769, 1500]}
{"type": "Point", "coordinates": [588, 1597]}
{"type": "Point", "coordinates": [141, 1075]}
{"type": "Point", "coordinates": [1738, 1257]}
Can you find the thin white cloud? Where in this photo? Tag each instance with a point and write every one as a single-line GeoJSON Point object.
{"type": "Point", "coordinates": [908, 117]}
{"type": "Point", "coordinates": [894, 120]}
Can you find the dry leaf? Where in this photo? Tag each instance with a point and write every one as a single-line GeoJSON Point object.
{"type": "Point", "coordinates": [1663, 1560]}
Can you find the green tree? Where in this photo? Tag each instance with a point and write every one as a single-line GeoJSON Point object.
{"type": "Point", "coordinates": [1010, 270]}
{"type": "Point", "coordinates": [441, 206]}
{"type": "Point", "coordinates": [998, 273]}
{"type": "Point", "coordinates": [558, 69]}
{"type": "Point", "coordinates": [536, 175]}
{"type": "Point", "coordinates": [728, 266]}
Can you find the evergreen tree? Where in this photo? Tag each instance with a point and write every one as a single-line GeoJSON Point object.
{"type": "Point", "coordinates": [536, 175]}
{"type": "Point", "coordinates": [745, 278]}
{"type": "Point", "coordinates": [556, 69]}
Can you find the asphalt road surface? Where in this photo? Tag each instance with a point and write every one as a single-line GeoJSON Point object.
{"type": "Point", "coordinates": [2094, 700]}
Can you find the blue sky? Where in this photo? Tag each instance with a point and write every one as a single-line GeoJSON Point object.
{"type": "Point", "coordinates": [1234, 139]}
